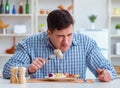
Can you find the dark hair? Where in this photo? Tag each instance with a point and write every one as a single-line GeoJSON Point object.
{"type": "Point", "coordinates": [59, 19]}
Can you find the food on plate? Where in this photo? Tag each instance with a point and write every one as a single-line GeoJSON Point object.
{"type": "Point", "coordinates": [60, 75]}
{"type": "Point", "coordinates": [58, 53]}
{"type": "Point", "coordinates": [63, 75]}
{"type": "Point", "coordinates": [72, 75]}
{"type": "Point", "coordinates": [57, 75]}
{"type": "Point", "coordinates": [51, 75]}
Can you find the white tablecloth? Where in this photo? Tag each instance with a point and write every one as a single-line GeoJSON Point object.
{"type": "Point", "coordinates": [113, 84]}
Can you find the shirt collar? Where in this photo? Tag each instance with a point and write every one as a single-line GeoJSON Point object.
{"type": "Point", "coordinates": [74, 41]}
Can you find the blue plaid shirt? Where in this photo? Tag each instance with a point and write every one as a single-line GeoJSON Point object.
{"type": "Point", "coordinates": [82, 53]}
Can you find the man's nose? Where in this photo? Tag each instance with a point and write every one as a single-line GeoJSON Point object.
{"type": "Point", "coordinates": [65, 40]}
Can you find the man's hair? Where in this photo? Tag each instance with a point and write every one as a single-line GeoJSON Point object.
{"type": "Point", "coordinates": [59, 19]}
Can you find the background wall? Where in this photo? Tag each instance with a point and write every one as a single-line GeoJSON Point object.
{"type": "Point", "coordinates": [84, 8]}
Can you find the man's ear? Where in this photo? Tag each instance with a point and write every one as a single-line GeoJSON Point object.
{"type": "Point", "coordinates": [48, 32]}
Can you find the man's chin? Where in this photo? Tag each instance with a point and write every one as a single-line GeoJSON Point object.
{"type": "Point", "coordinates": [64, 50]}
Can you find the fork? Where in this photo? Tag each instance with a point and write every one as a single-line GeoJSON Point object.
{"type": "Point", "coordinates": [51, 57]}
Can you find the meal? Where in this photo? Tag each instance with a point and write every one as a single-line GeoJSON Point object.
{"type": "Point", "coordinates": [61, 75]}
{"type": "Point", "coordinates": [67, 77]}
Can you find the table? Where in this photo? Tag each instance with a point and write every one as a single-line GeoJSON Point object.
{"type": "Point", "coordinates": [4, 83]}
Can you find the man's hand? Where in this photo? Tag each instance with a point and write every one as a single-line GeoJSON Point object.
{"type": "Point", "coordinates": [35, 65]}
{"type": "Point", "coordinates": [103, 75]}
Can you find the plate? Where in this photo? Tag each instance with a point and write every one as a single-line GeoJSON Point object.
{"type": "Point", "coordinates": [60, 79]}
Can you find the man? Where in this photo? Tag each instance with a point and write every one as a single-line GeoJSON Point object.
{"type": "Point", "coordinates": [79, 52]}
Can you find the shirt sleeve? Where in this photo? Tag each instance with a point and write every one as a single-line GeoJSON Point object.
{"type": "Point", "coordinates": [20, 58]}
{"type": "Point", "coordinates": [96, 60]}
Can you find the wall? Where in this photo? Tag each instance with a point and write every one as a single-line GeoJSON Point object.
{"type": "Point", "coordinates": [84, 8]}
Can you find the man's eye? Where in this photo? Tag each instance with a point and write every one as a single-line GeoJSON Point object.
{"type": "Point", "coordinates": [60, 36]}
{"type": "Point", "coordinates": [69, 35]}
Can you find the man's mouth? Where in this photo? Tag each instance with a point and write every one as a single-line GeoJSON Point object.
{"type": "Point", "coordinates": [64, 45]}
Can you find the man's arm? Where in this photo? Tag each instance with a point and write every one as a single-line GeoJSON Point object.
{"type": "Point", "coordinates": [21, 57]}
{"type": "Point", "coordinates": [35, 65]}
{"type": "Point", "coordinates": [96, 60]}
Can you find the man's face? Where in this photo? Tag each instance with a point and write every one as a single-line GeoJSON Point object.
{"type": "Point", "coordinates": [61, 39]}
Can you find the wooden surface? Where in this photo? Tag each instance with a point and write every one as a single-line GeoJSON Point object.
{"type": "Point", "coordinates": [65, 81]}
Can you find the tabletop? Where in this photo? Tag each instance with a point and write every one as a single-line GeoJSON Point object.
{"type": "Point", "coordinates": [5, 83]}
